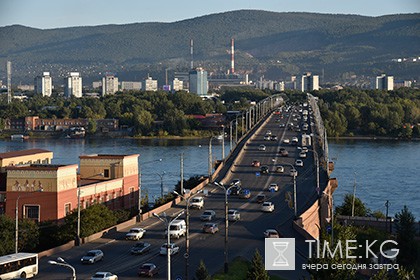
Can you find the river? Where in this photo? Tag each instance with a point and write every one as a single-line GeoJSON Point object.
{"type": "Point", "coordinates": [383, 170]}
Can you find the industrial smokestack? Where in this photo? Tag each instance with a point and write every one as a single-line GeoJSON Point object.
{"type": "Point", "coordinates": [9, 81]}
{"type": "Point", "coordinates": [232, 60]}
{"type": "Point", "coordinates": [192, 53]}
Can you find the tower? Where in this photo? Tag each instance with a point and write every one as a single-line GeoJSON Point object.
{"type": "Point", "coordinates": [9, 82]}
{"type": "Point", "coordinates": [192, 53]}
{"type": "Point", "coordinates": [232, 58]}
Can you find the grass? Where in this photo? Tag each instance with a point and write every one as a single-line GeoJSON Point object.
{"type": "Point", "coordinates": [238, 269]}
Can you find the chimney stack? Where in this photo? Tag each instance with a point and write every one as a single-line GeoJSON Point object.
{"type": "Point", "coordinates": [232, 60]}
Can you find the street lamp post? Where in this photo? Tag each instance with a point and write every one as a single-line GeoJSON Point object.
{"type": "Point", "coordinates": [161, 182]}
{"type": "Point", "coordinates": [61, 262]}
{"type": "Point", "coordinates": [168, 242]}
{"type": "Point", "coordinates": [220, 185]}
{"type": "Point", "coordinates": [317, 170]}
{"type": "Point", "coordinates": [294, 189]}
{"type": "Point", "coordinates": [187, 234]}
{"type": "Point", "coordinates": [17, 218]}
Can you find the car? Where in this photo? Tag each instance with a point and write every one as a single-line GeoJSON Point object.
{"type": "Point", "coordinates": [299, 162]}
{"type": "Point", "coordinates": [273, 138]}
{"type": "Point", "coordinates": [235, 182]}
{"type": "Point", "coordinates": [279, 169]}
{"type": "Point", "coordinates": [302, 155]}
{"type": "Point", "coordinates": [286, 141]}
{"type": "Point", "coordinates": [135, 234]}
{"type": "Point", "coordinates": [271, 233]}
{"type": "Point", "coordinates": [245, 193]}
{"type": "Point", "coordinates": [210, 228]}
{"type": "Point", "coordinates": [264, 169]}
{"type": "Point", "coordinates": [284, 153]}
{"type": "Point", "coordinates": [293, 172]}
{"type": "Point", "coordinates": [92, 256]}
{"type": "Point", "coordinates": [304, 149]}
{"type": "Point", "coordinates": [140, 248]}
{"type": "Point", "coordinates": [234, 215]}
{"type": "Point", "coordinates": [262, 148]}
{"type": "Point", "coordinates": [256, 163]}
{"type": "Point", "coordinates": [104, 276]}
{"type": "Point", "coordinates": [273, 187]}
{"type": "Point", "coordinates": [268, 132]}
{"type": "Point", "coordinates": [267, 206]}
{"type": "Point", "coordinates": [173, 249]}
{"type": "Point", "coordinates": [267, 137]}
{"type": "Point", "coordinates": [148, 269]}
{"type": "Point", "coordinates": [295, 140]}
{"type": "Point", "coordinates": [197, 202]}
{"type": "Point", "coordinates": [282, 125]}
{"type": "Point", "coordinates": [177, 229]}
{"type": "Point", "coordinates": [208, 215]}
{"type": "Point", "coordinates": [235, 190]}
{"type": "Point", "coordinates": [260, 198]}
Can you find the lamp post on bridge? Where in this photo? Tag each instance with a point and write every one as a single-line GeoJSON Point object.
{"type": "Point", "coordinates": [294, 187]}
{"type": "Point", "coordinates": [220, 185]}
{"type": "Point", "coordinates": [62, 262]}
{"type": "Point", "coordinates": [187, 222]}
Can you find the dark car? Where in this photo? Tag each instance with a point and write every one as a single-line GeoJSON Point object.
{"type": "Point", "coordinates": [148, 269]}
{"type": "Point", "coordinates": [264, 169]}
{"type": "Point", "coordinates": [260, 198]}
{"type": "Point", "coordinates": [245, 193]}
{"type": "Point", "coordinates": [283, 152]}
{"type": "Point", "coordinates": [140, 248]}
{"type": "Point", "coordinates": [235, 190]}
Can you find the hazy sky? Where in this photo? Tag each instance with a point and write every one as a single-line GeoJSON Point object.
{"type": "Point", "coordinates": [62, 13]}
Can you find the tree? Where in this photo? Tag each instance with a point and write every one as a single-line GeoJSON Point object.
{"type": "Point", "coordinates": [406, 231]}
{"type": "Point", "coordinates": [7, 235]}
{"type": "Point", "coordinates": [201, 273]}
{"type": "Point", "coordinates": [257, 270]}
{"type": "Point", "coordinates": [28, 235]}
{"type": "Point", "coordinates": [92, 126]}
{"type": "Point", "coordinates": [345, 209]}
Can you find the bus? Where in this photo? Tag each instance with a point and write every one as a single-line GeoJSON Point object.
{"type": "Point", "coordinates": [23, 265]}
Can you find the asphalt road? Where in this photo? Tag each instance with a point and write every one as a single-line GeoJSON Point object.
{"type": "Point", "coordinates": [245, 235]}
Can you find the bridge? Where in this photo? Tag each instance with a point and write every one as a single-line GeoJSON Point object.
{"type": "Point", "coordinates": [302, 203]}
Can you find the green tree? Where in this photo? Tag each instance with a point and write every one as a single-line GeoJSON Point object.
{"type": "Point", "coordinates": [257, 270]}
{"type": "Point", "coordinates": [92, 126]}
{"type": "Point", "coordinates": [28, 235]}
{"type": "Point", "coordinates": [345, 209]}
{"type": "Point", "coordinates": [406, 231]}
{"type": "Point", "coordinates": [7, 235]}
{"type": "Point", "coordinates": [201, 273]}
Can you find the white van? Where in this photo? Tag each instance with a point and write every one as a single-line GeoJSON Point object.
{"type": "Point", "coordinates": [197, 202]}
{"type": "Point", "coordinates": [177, 229]}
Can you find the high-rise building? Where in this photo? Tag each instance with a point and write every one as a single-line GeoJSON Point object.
{"type": "Point", "coordinates": [177, 85]}
{"type": "Point", "coordinates": [73, 86]}
{"type": "Point", "coordinates": [149, 84]}
{"type": "Point", "coordinates": [126, 85]}
{"type": "Point", "coordinates": [308, 82]}
{"type": "Point", "coordinates": [43, 84]}
{"type": "Point", "coordinates": [198, 81]}
{"type": "Point", "coordinates": [109, 85]}
{"type": "Point", "coordinates": [383, 82]}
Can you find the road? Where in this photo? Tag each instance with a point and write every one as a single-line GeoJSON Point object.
{"type": "Point", "coordinates": [245, 235]}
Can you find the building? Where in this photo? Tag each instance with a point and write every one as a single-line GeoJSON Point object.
{"type": "Point", "coordinates": [50, 192]}
{"type": "Point", "coordinates": [96, 84]}
{"type": "Point", "coordinates": [43, 84]}
{"type": "Point", "coordinates": [150, 85]}
{"type": "Point", "coordinates": [130, 85]}
{"type": "Point", "coordinates": [402, 83]}
{"type": "Point", "coordinates": [73, 85]}
{"type": "Point", "coordinates": [308, 82]}
{"type": "Point", "coordinates": [109, 85]}
{"type": "Point", "coordinates": [198, 81]}
{"type": "Point", "coordinates": [383, 82]}
{"type": "Point", "coordinates": [177, 85]}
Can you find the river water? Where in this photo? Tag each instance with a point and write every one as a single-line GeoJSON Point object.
{"type": "Point", "coordinates": [383, 170]}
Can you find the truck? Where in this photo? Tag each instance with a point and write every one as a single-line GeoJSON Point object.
{"type": "Point", "coordinates": [177, 229]}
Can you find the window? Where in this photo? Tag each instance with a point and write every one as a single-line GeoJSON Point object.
{"type": "Point", "coordinates": [106, 173]}
{"type": "Point", "coordinates": [32, 212]}
{"type": "Point", "coordinates": [67, 208]}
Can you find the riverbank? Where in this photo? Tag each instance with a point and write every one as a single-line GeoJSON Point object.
{"type": "Point", "coordinates": [387, 138]}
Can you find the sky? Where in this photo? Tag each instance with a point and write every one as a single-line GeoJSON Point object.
{"type": "Point", "coordinates": [47, 14]}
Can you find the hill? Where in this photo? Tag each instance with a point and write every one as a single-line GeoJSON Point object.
{"type": "Point", "coordinates": [274, 44]}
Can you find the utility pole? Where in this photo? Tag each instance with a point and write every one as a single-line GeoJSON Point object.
{"type": "Point", "coordinates": [354, 195]}
{"type": "Point", "coordinates": [182, 173]}
{"type": "Point", "coordinates": [223, 142]}
{"type": "Point", "coordinates": [9, 82]}
{"type": "Point", "coordinates": [386, 222]}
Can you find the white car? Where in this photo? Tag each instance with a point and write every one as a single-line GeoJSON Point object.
{"type": "Point", "coordinates": [104, 276]}
{"type": "Point", "coordinates": [286, 141]}
{"type": "Point", "coordinates": [293, 172]}
{"type": "Point", "coordinates": [208, 215]}
{"type": "Point", "coordinates": [273, 187]}
{"type": "Point", "coordinates": [299, 162]}
{"type": "Point", "coordinates": [233, 215]}
{"type": "Point", "coordinates": [295, 140]}
{"type": "Point", "coordinates": [197, 202]}
{"type": "Point", "coordinates": [173, 249]}
{"type": "Point", "coordinates": [302, 155]}
{"type": "Point", "coordinates": [267, 137]}
{"type": "Point", "coordinates": [267, 206]}
{"type": "Point", "coordinates": [268, 132]}
{"type": "Point", "coordinates": [135, 234]}
{"type": "Point", "coordinates": [262, 148]}
{"type": "Point", "coordinates": [279, 169]}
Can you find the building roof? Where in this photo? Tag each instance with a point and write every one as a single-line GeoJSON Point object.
{"type": "Point", "coordinates": [105, 156]}
{"type": "Point", "coordinates": [40, 167]}
{"type": "Point", "coordinates": [22, 153]}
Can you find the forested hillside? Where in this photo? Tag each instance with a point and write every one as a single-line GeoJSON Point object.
{"type": "Point", "coordinates": [286, 43]}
